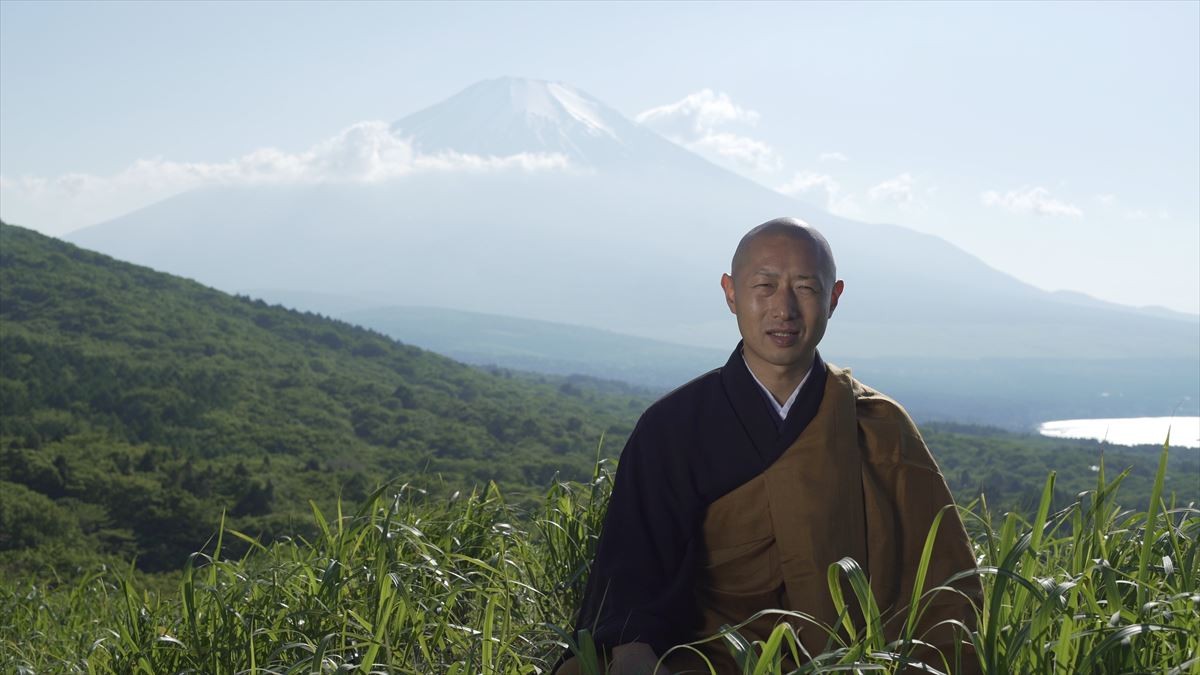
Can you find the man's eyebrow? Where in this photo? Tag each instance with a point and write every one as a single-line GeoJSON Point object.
{"type": "Point", "coordinates": [764, 272]}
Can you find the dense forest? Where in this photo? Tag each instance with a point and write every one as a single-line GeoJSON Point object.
{"type": "Point", "coordinates": [136, 408]}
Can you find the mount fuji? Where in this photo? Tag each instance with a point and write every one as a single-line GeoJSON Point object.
{"type": "Point", "coordinates": [533, 199]}
{"type": "Point", "coordinates": [510, 116]}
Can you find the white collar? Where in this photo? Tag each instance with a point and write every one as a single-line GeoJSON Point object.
{"type": "Point", "coordinates": [787, 405]}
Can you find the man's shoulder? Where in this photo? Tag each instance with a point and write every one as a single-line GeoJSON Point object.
{"type": "Point", "coordinates": [884, 424]}
{"type": "Point", "coordinates": [667, 431]}
{"type": "Point", "coordinates": [869, 402]}
{"type": "Point", "coordinates": [686, 399]}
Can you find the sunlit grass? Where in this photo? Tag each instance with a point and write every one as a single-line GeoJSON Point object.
{"type": "Point", "coordinates": [412, 582]}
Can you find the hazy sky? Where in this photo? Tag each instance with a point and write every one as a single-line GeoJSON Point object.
{"type": "Point", "coordinates": [1057, 142]}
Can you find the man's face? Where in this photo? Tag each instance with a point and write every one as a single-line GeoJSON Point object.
{"type": "Point", "coordinates": [782, 300]}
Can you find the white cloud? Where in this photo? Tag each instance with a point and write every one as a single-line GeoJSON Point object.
{"type": "Point", "coordinates": [898, 190]}
{"type": "Point", "coordinates": [833, 157]}
{"type": "Point", "coordinates": [696, 122]}
{"type": "Point", "coordinates": [744, 151]}
{"type": "Point", "coordinates": [1034, 200]}
{"type": "Point", "coordinates": [807, 180]}
{"type": "Point", "coordinates": [696, 114]}
{"type": "Point", "coordinates": [366, 152]}
{"type": "Point", "coordinates": [804, 182]}
{"type": "Point", "coordinates": [1109, 201]}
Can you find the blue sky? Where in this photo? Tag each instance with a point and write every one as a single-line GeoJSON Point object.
{"type": "Point", "coordinates": [1057, 142]}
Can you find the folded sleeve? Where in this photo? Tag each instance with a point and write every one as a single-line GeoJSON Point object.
{"type": "Point", "coordinates": [904, 492]}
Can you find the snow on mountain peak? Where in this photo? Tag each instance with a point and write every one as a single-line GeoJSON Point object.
{"type": "Point", "coordinates": [507, 116]}
{"type": "Point", "coordinates": [582, 108]}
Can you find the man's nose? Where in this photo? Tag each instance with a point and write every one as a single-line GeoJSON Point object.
{"type": "Point", "coordinates": [786, 306]}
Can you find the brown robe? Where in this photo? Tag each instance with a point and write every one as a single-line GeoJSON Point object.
{"type": "Point", "coordinates": [858, 482]}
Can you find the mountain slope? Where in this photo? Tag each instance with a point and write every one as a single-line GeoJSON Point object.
{"type": "Point", "coordinates": [144, 404]}
{"type": "Point", "coordinates": [631, 237]}
{"type": "Point", "coordinates": [541, 346]}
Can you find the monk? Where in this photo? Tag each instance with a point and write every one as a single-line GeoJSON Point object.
{"type": "Point", "coordinates": [737, 491]}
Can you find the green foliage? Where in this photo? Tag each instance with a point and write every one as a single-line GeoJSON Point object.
{"type": "Point", "coordinates": [407, 583]}
{"type": "Point", "coordinates": [146, 405]}
{"type": "Point", "coordinates": [137, 408]}
{"type": "Point", "coordinates": [1011, 468]}
{"type": "Point", "coordinates": [29, 519]}
{"type": "Point", "coordinates": [413, 582]}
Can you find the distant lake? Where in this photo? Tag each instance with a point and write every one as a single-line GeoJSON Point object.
{"type": "Point", "coordinates": [1185, 431]}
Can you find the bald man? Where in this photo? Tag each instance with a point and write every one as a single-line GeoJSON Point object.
{"type": "Point", "coordinates": [736, 492]}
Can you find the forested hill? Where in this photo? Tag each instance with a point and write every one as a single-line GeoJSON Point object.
{"type": "Point", "coordinates": [135, 406]}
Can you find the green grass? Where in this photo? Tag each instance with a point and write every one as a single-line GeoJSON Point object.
{"type": "Point", "coordinates": [414, 582]}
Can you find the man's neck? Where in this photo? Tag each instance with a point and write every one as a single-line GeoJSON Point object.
{"type": "Point", "coordinates": [781, 381]}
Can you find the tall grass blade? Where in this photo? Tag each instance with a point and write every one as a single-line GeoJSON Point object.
{"type": "Point", "coordinates": [1151, 532]}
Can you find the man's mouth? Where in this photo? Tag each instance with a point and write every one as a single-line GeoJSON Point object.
{"type": "Point", "coordinates": [783, 338]}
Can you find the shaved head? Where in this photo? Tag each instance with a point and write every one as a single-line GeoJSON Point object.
{"type": "Point", "coordinates": [796, 229]}
{"type": "Point", "coordinates": [783, 289]}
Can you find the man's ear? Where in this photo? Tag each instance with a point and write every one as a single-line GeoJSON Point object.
{"type": "Point", "coordinates": [834, 294]}
{"type": "Point", "coordinates": [727, 286]}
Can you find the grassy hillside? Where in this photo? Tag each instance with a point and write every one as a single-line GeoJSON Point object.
{"type": "Point", "coordinates": [406, 583]}
{"type": "Point", "coordinates": [135, 406]}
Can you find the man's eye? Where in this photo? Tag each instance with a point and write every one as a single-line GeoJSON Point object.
{"type": "Point", "coordinates": [806, 289]}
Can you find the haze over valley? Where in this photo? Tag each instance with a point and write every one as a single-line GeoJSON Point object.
{"type": "Point", "coordinates": [577, 216]}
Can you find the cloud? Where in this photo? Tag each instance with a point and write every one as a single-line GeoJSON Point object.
{"type": "Point", "coordinates": [898, 190]}
{"type": "Point", "coordinates": [807, 180]}
{"type": "Point", "coordinates": [804, 182]}
{"type": "Point", "coordinates": [364, 152]}
{"type": "Point", "coordinates": [696, 122]}
{"type": "Point", "coordinates": [1110, 201]}
{"type": "Point", "coordinates": [696, 114]}
{"type": "Point", "coordinates": [367, 152]}
{"type": "Point", "coordinates": [744, 151]}
{"type": "Point", "coordinates": [833, 157]}
{"type": "Point", "coordinates": [1030, 200]}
